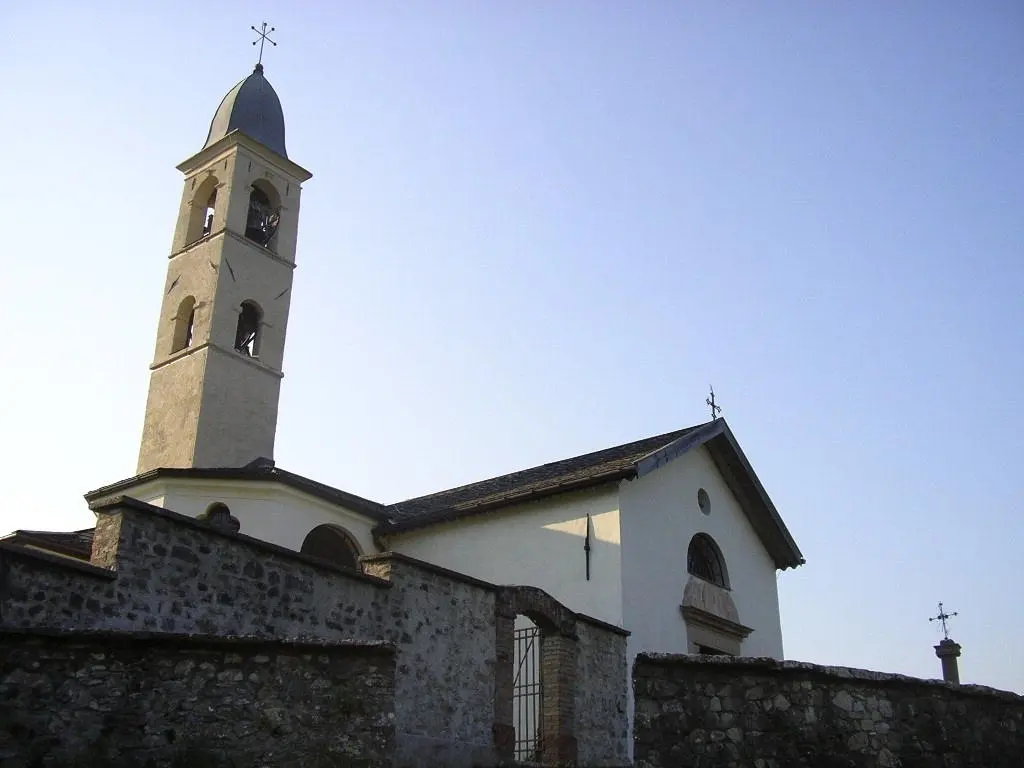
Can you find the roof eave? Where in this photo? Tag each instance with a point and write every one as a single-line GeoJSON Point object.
{"type": "Point", "coordinates": [732, 463]}
{"type": "Point", "coordinates": [208, 153]}
{"type": "Point", "coordinates": [678, 447]}
{"type": "Point", "coordinates": [754, 499]}
{"type": "Point", "coordinates": [122, 485]}
{"type": "Point", "coordinates": [335, 496]}
{"type": "Point", "coordinates": [31, 539]}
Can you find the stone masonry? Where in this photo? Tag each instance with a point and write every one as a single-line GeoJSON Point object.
{"type": "Point", "coordinates": [732, 712]}
{"type": "Point", "coordinates": [444, 627]}
{"type": "Point", "coordinates": [583, 664]}
{"type": "Point", "coordinates": [601, 727]}
{"type": "Point", "coordinates": [182, 635]}
{"type": "Point", "coordinates": [119, 699]}
{"type": "Point", "coordinates": [154, 571]}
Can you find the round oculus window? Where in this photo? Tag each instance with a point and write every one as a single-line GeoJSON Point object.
{"type": "Point", "coordinates": [703, 501]}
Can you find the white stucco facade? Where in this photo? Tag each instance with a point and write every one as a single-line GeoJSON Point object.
{"type": "Point", "coordinates": [539, 544]}
{"type": "Point", "coordinates": [270, 511]}
{"type": "Point", "coordinates": [660, 516]}
{"type": "Point", "coordinates": [640, 531]}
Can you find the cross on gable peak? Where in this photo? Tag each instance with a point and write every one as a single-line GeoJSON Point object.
{"type": "Point", "coordinates": [715, 409]}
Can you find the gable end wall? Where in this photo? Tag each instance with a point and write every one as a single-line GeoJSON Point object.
{"type": "Point", "coordinates": [659, 517]}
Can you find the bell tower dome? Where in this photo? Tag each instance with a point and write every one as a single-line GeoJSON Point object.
{"type": "Point", "coordinates": [252, 107]}
{"type": "Point", "coordinates": [217, 368]}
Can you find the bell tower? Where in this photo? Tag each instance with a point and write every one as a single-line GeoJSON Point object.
{"type": "Point", "coordinates": [217, 368]}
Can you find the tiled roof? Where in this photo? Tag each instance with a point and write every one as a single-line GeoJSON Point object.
{"type": "Point", "coordinates": [578, 472]}
{"type": "Point", "coordinates": [77, 544]}
{"type": "Point", "coordinates": [260, 470]}
{"type": "Point", "coordinates": [626, 461]}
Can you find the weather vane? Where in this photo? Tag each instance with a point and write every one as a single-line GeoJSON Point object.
{"type": "Point", "coordinates": [942, 617]}
{"type": "Point", "coordinates": [263, 38]}
{"type": "Point", "coordinates": [715, 410]}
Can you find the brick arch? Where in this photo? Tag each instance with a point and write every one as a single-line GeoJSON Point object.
{"type": "Point", "coordinates": [559, 652]}
{"type": "Point", "coordinates": [546, 612]}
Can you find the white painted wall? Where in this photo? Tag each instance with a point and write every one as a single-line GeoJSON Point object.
{"type": "Point", "coordinates": [269, 511]}
{"type": "Point", "coordinates": [659, 517]}
{"type": "Point", "coordinates": [539, 544]}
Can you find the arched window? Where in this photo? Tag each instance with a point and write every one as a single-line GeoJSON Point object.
{"type": "Point", "coordinates": [333, 544]}
{"type": "Point", "coordinates": [184, 322]}
{"type": "Point", "coordinates": [704, 560]}
{"type": "Point", "coordinates": [204, 204]}
{"type": "Point", "coordinates": [264, 214]}
{"type": "Point", "coordinates": [248, 332]}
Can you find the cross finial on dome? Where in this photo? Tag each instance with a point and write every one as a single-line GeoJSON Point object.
{"type": "Point", "coordinates": [263, 38]}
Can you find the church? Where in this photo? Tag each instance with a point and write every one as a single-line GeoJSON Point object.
{"type": "Point", "coordinates": [671, 538]}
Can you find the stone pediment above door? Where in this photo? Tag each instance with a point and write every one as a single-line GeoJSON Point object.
{"type": "Point", "coordinates": [712, 621]}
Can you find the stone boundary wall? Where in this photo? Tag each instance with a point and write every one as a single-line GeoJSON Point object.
{"type": "Point", "coordinates": [602, 725]}
{"type": "Point", "coordinates": [153, 570]}
{"type": "Point", "coordinates": [157, 571]}
{"type": "Point", "coordinates": [135, 699]}
{"type": "Point", "coordinates": [725, 711]}
{"type": "Point", "coordinates": [444, 631]}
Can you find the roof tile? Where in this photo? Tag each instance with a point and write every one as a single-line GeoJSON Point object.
{"type": "Point", "coordinates": [578, 471]}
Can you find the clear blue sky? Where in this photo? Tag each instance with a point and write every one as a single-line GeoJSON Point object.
{"type": "Point", "coordinates": [538, 229]}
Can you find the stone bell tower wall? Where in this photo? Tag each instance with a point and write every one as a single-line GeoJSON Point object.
{"type": "Point", "coordinates": [212, 403]}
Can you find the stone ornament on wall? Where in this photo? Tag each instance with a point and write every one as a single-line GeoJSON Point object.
{"type": "Point", "coordinates": [712, 620]}
{"type": "Point", "coordinates": [219, 516]}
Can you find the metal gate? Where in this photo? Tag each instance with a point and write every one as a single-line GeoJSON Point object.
{"type": "Point", "coordinates": [527, 694]}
